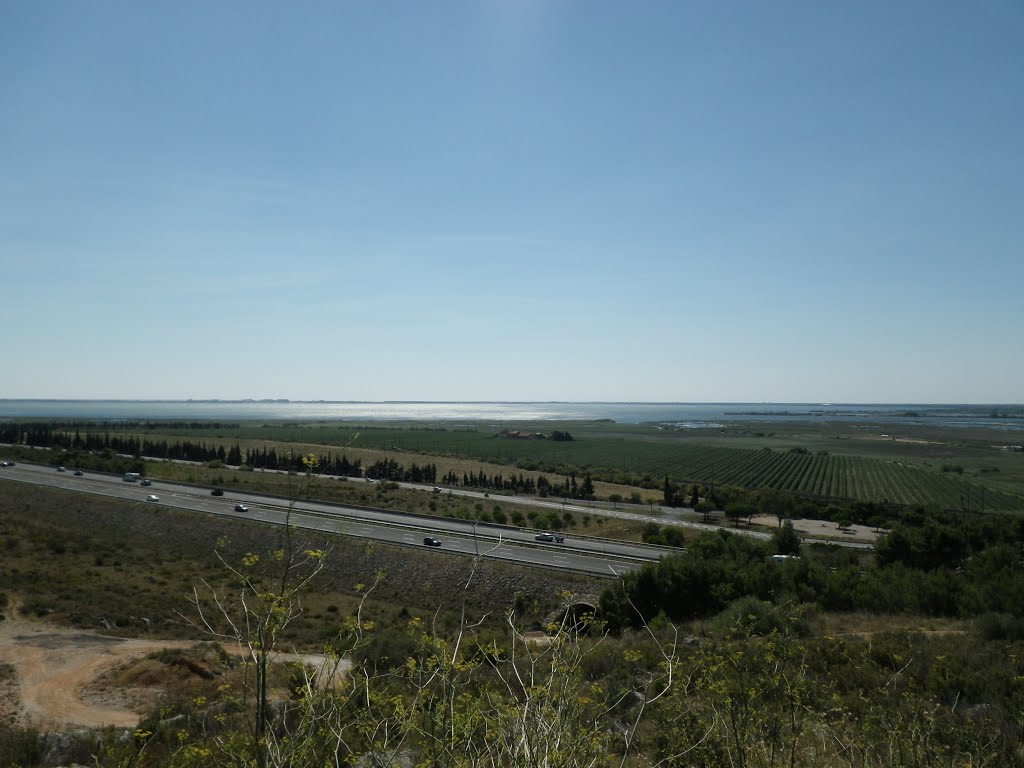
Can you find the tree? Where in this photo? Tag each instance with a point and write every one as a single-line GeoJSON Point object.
{"type": "Point", "coordinates": [669, 492]}
{"type": "Point", "coordinates": [737, 510]}
{"type": "Point", "coordinates": [705, 507]}
{"type": "Point", "coordinates": [785, 540]}
{"type": "Point", "coordinates": [587, 488]}
{"type": "Point", "coordinates": [775, 504]}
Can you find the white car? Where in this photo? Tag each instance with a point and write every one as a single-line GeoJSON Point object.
{"type": "Point", "coordinates": [241, 508]}
{"type": "Point", "coordinates": [152, 497]}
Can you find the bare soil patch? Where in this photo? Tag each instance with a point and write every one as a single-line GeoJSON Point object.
{"type": "Point", "coordinates": [56, 678]}
{"type": "Point", "coordinates": [822, 529]}
{"type": "Point", "coordinates": [54, 667]}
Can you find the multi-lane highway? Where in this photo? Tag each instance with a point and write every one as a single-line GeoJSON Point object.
{"type": "Point", "coordinates": [582, 554]}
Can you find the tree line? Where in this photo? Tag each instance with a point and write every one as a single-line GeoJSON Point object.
{"type": "Point", "coordinates": [40, 435]}
{"type": "Point", "coordinates": [930, 563]}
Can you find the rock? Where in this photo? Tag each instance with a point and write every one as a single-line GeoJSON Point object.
{"type": "Point", "coordinates": [67, 748]}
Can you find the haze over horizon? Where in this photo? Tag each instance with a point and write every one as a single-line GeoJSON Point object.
{"type": "Point", "coordinates": [513, 201]}
{"type": "Point", "coordinates": [837, 404]}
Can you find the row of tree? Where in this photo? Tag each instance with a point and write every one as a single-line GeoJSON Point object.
{"type": "Point", "coordinates": [49, 436]}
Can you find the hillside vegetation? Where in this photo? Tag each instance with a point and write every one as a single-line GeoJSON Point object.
{"type": "Point", "coordinates": [908, 655]}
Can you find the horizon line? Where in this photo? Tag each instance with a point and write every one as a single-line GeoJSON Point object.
{"type": "Point", "coordinates": [282, 400]}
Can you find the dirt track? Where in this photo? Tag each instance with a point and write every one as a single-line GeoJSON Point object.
{"type": "Point", "coordinates": [55, 666]}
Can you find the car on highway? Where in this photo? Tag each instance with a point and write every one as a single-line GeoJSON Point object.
{"type": "Point", "coordinates": [61, 469]}
{"type": "Point", "coordinates": [145, 482]}
{"type": "Point", "coordinates": [79, 473]}
{"type": "Point", "coordinates": [430, 541]}
{"type": "Point", "coordinates": [152, 497]}
{"type": "Point", "coordinates": [217, 492]}
{"type": "Point", "coordinates": [6, 463]}
{"type": "Point", "coordinates": [549, 537]}
{"type": "Point", "coordinates": [436, 489]}
{"type": "Point", "coordinates": [241, 508]}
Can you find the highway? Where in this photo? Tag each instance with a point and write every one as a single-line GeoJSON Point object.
{"type": "Point", "coordinates": [598, 557]}
{"type": "Point", "coordinates": [643, 513]}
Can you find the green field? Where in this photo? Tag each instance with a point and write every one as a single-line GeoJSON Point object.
{"type": "Point", "coordinates": [953, 468]}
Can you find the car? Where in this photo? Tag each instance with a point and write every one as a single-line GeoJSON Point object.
{"type": "Point", "coordinates": [152, 497]}
{"type": "Point", "coordinates": [369, 479]}
{"type": "Point", "coordinates": [549, 537]}
{"type": "Point", "coordinates": [61, 469]}
{"type": "Point", "coordinates": [241, 508]}
{"type": "Point", "coordinates": [6, 463]}
{"type": "Point", "coordinates": [436, 489]}
{"type": "Point", "coordinates": [217, 492]}
{"type": "Point", "coordinates": [145, 482]}
{"type": "Point", "coordinates": [430, 541]}
{"type": "Point", "coordinates": [79, 473]}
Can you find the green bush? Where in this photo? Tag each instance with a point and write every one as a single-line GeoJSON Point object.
{"type": "Point", "coordinates": [1000, 626]}
{"type": "Point", "coordinates": [749, 617]}
{"type": "Point", "coordinates": [20, 746]}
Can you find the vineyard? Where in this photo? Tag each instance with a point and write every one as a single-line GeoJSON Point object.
{"type": "Point", "coordinates": [819, 474]}
{"type": "Point", "coordinates": [638, 458]}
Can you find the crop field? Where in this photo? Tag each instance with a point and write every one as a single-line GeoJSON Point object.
{"type": "Point", "coordinates": [951, 468]}
{"type": "Point", "coordinates": [633, 453]}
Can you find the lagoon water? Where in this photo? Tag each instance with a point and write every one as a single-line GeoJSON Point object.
{"type": "Point", "coordinates": [1006, 417]}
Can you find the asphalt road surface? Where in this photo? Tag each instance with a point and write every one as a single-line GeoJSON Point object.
{"type": "Point", "coordinates": [594, 556]}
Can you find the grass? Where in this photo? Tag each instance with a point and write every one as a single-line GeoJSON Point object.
{"type": "Point", "coordinates": [128, 568]}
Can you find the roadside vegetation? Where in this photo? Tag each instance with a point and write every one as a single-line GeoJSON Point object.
{"type": "Point", "coordinates": [720, 656]}
{"type": "Point", "coordinates": [735, 652]}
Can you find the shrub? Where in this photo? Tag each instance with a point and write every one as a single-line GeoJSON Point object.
{"type": "Point", "coordinates": [1000, 626]}
{"type": "Point", "coordinates": [749, 617]}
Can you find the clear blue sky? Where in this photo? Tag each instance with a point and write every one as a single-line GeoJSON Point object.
{"type": "Point", "coordinates": [513, 200]}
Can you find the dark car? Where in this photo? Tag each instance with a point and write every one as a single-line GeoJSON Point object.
{"type": "Point", "coordinates": [241, 508]}
{"type": "Point", "coordinates": [6, 463]}
{"type": "Point", "coordinates": [430, 541]}
{"type": "Point", "coordinates": [217, 492]}
{"type": "Point", "coordinates": [550, 537]}
{"type": "Point", "coordinates": [78, 473]}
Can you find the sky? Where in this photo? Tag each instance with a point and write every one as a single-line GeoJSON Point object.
{"type": "Point", "coordinates": [513, 200]}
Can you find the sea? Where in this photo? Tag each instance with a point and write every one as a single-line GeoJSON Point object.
{"type": "Point", "coordinates": [678, 415]}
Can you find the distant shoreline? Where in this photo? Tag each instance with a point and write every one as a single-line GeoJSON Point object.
{"type": "Point", "coordinates": [928, 406]}
{"type": "Point", "coordinates": [669, 415]}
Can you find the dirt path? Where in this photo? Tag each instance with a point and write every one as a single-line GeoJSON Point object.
{"type": "Point", "coordinates": [54, 667]}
